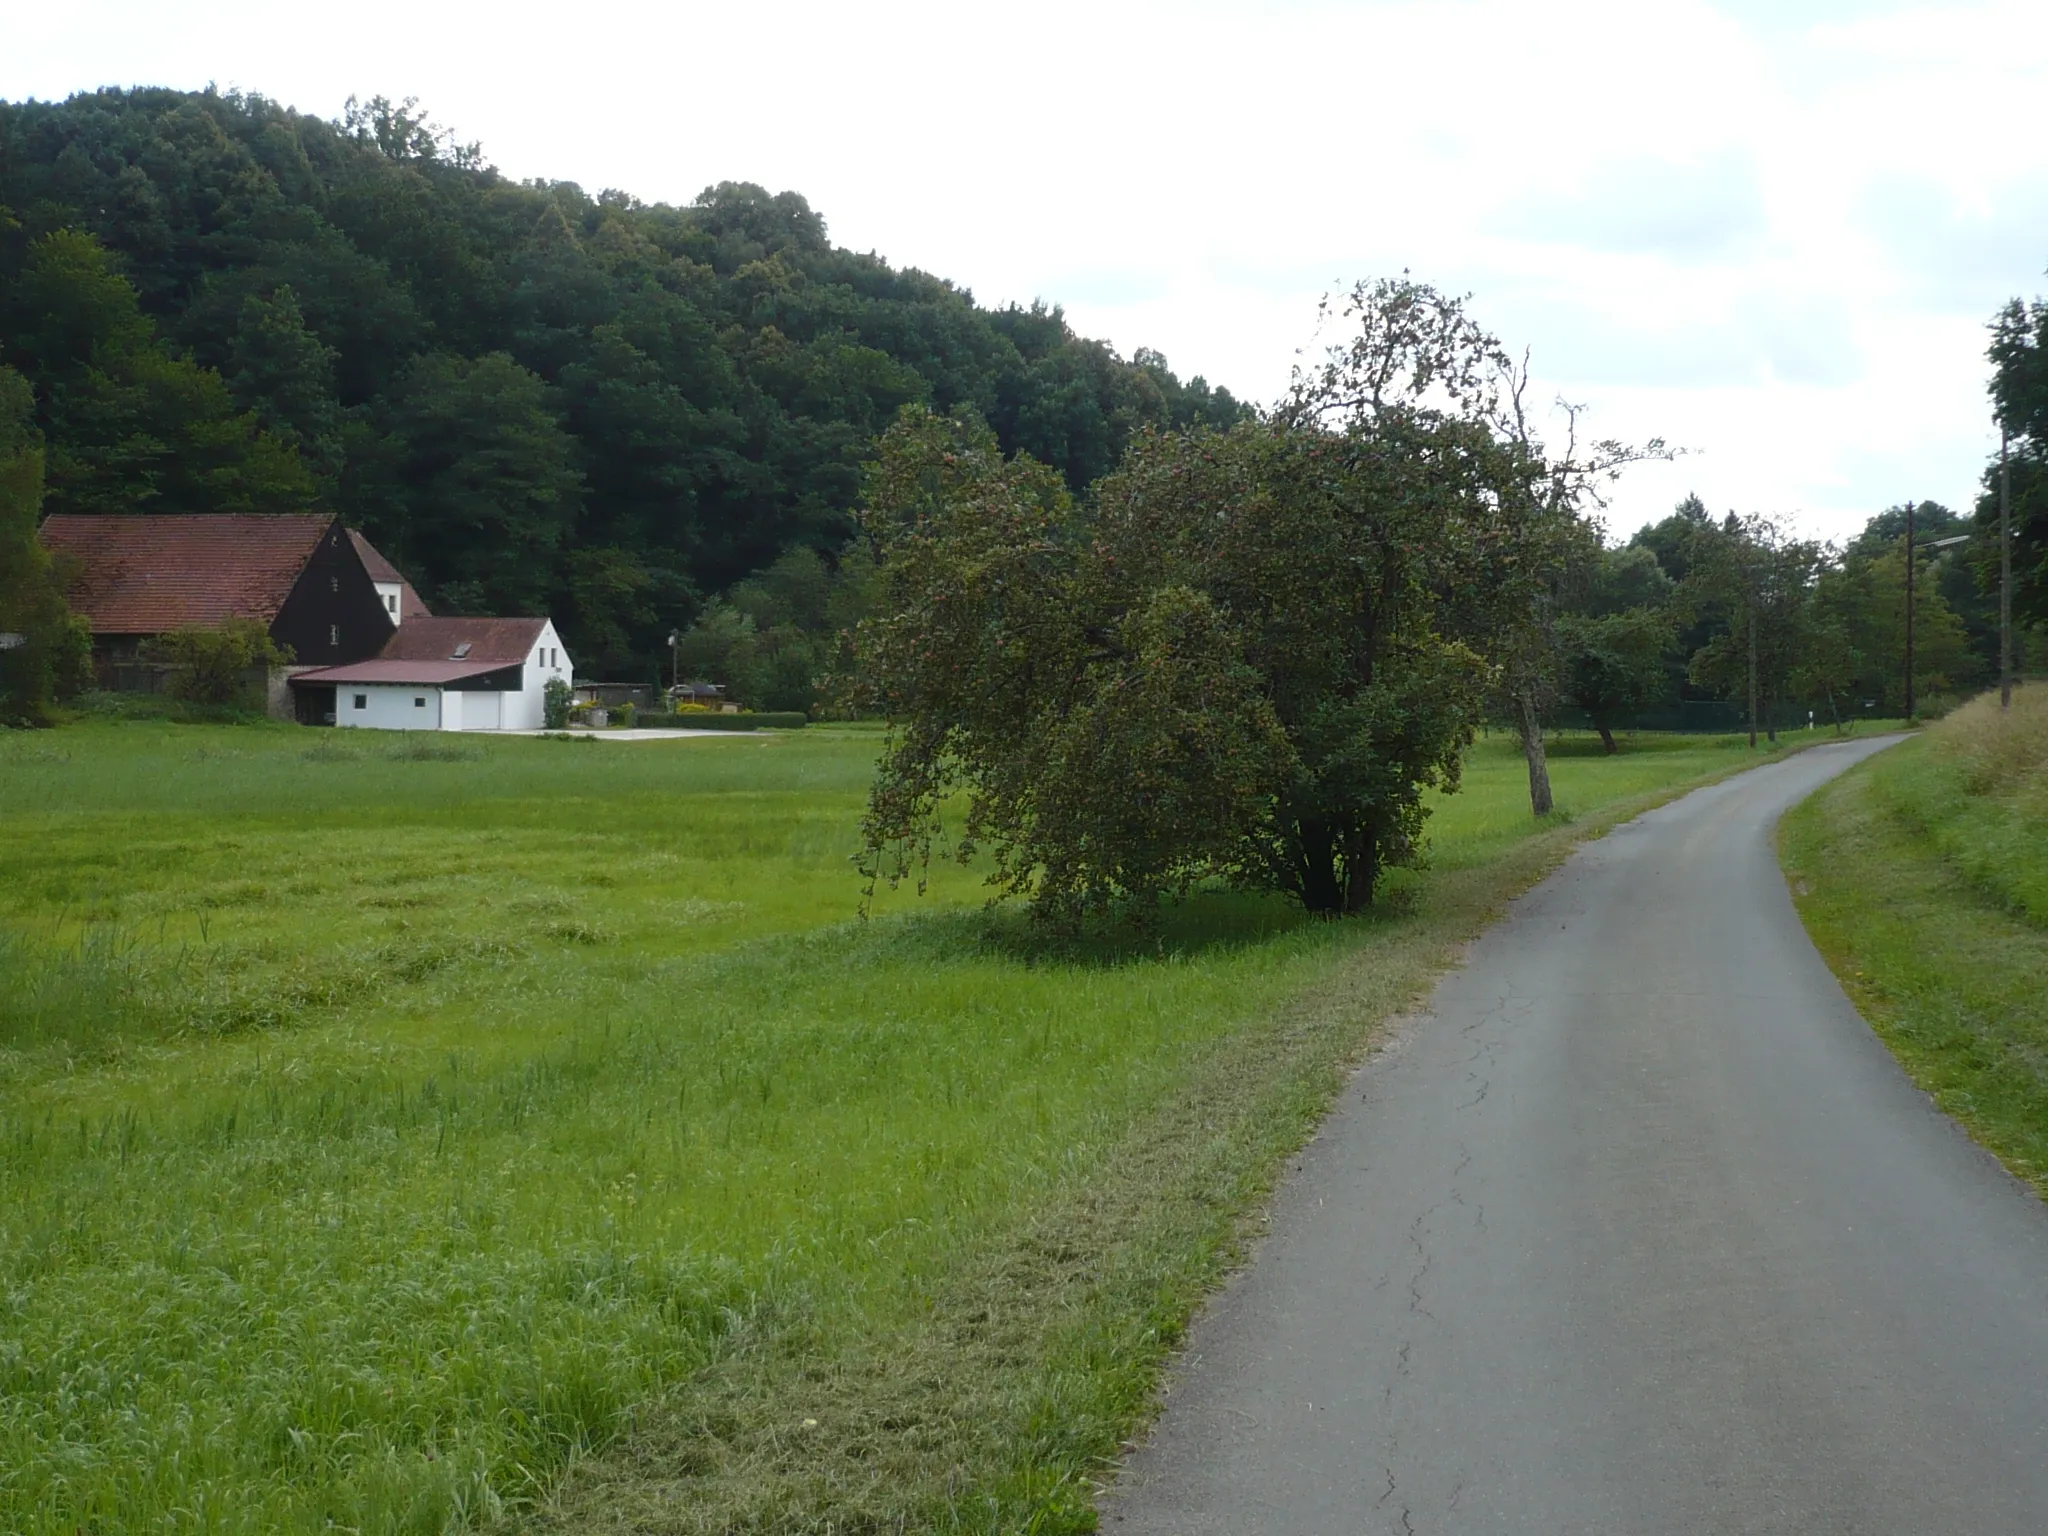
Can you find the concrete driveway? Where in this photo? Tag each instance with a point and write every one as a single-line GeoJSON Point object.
{"type": "Point", "coordinates": [635, 734]}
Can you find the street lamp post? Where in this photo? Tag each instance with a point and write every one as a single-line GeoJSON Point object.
{"type": "Point", "coordinates": [1909, 613]}
{"type": "Point", "coordinates": [675, 680]}
{"type": "Point", "coordinates": [2004, 563]}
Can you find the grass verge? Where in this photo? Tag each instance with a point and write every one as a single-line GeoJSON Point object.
{"type": "Point", "coordinates": [1923, 878]}
{"type": "Point", "coordinates": [994, 1401]}
{"type": "Point", "coordinates": [399, 1141]}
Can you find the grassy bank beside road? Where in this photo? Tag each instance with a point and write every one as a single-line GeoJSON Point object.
{"type": "Point", "coordinates": [1923, 877]}
{"type": "Point", "coordinates": [398, 1134]}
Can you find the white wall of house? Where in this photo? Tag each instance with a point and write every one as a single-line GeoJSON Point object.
{"type": "Point", "coordinates": [525, 710]}
{"type": "Point", "coordinates": [392, 596]}
{"type": "Point", "coordinates": [418, 707]}
{"type": "Point", "coordinates": [387, 706]}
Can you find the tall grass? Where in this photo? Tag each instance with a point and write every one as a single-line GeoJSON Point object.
{"type": "Point", "coordinates": [1979, 792]}
{"type": "Point", "coordinates": [1923, 876]}
{"type": "Point", "coordinates": [381, 1135]}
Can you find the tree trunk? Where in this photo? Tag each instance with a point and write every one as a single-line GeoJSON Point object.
{"type": "Point", "coordinates": [1322, 891]}
{"type": "Point", "coordinates": [1532, 749]}
{"type": "Point", "coordinates": [1606, 738]}
{"type": "Point", "coordinates": [1361, 871]}
{"type": "Point", "coordinates": [1334, 871]}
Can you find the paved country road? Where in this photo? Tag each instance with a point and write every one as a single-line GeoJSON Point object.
{"type": "Point", "coordinates": [1640, 1230]}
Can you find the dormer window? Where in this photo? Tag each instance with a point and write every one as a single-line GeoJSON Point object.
{"type": "Point", "coordinates": [391, 602]}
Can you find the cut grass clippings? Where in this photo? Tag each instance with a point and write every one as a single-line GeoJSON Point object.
{"type": "Point", "coordinates": [1923, 877]}
{"type": "Point", "coordinates": [535, 1138]}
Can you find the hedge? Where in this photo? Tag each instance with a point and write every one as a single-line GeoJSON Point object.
{"type": "Point", "coordinates": [709, 720]}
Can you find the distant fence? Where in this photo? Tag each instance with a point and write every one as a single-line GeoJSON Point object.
{"type": "Point", "coordinates": [1717, 717]}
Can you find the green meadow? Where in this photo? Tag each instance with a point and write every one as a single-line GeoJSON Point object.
{"type": "Point", "coordinates": [406, 1134]}
{"type": "Point", "coordinates": [1923, 877]}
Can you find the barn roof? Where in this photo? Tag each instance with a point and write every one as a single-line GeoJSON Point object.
{"type": "Point", "coordinates": [433, 674]}
{"type": "Point", "coordinates": [409, 604]}
{"type": "Point", "coordinates": [501, 642]}
{"type": "Point", "coordinates": [151, 573]}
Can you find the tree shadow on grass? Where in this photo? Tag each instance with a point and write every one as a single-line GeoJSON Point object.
{"type": "Point", "coordinates": [1208, 921]}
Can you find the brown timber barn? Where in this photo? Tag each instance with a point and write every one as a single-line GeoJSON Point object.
{"type": "Point", "coordinates": [320, 589]}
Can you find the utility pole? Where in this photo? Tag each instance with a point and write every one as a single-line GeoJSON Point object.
{"type": "Point", "coordinates": [2004, 564]}
{"type": "Point", "coordinates": [1910, 562]}
{"type": "Point", "coordinates": [1752, 672]}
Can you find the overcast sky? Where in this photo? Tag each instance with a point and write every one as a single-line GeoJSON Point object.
{"type": "Point", "coordinates": [1770, 232]}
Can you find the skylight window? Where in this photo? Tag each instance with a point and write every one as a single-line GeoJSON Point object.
{"type": "Point", "coordinates": [461, 652]}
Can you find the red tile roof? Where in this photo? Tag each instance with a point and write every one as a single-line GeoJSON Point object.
{"type": "Point", "coordinates": [380, 569]}
{"type": "Point", "coordinates": [145, 575]}
{"type": "Point", "coordinates": [437, 674]}
{"type": "Point", "coordinates": [501, 642]}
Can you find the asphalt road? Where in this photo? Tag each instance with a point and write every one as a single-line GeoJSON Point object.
{"type": "Point", "coordinates": [1640, 1230]}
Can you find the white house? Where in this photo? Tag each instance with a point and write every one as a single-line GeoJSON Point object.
{"type": "Point", "coordinates": [443, 674]}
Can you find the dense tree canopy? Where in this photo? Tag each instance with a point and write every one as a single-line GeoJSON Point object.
{"type": "Point", "coordinates": [42, 648]}
{"type": "Point", "coordinates": [1760, 580]}
{"type": "Point", "coordinates": [1231, 666]}
{"type": "Point", "coordinates": [537, 397]}
{"type": "Point", "coordinates": [1617, 627]}
{"type": "Point", "coordinates": [2019, 400]}
{"type": "Point", "coordinates": [1249, 654]}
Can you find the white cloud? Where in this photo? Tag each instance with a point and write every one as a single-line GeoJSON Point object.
{"type": "Point", "coordinates": [1771, 231]}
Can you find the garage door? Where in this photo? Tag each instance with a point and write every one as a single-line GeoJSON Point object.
{"type": "Point", "coordinates": [480, 711]}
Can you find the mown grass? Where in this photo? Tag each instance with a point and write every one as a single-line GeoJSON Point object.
{"type": "Point", "coordinates": [1923, 877]}
{"type": "Point", "coordinates": [386, 1132]}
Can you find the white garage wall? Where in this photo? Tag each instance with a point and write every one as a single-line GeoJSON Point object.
{"type": "Point", "coordinates": [482, 710]}
{"type": "Point", "coordinates": [526, 710]}
{"type": "Point", "coordinates": [387, 707]}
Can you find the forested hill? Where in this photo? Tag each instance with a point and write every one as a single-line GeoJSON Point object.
{"type": "Point", "coordinates": [532, 398]}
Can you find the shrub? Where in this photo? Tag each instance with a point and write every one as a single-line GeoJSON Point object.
{"type": "Point", "coordinates": [555, 701]}
{"type": "Point", "coordinates": [627, 714]}
{"type": "Point", "coordinates": [49, 653]}
{"type": "Point", "coordinates": [211, 666]}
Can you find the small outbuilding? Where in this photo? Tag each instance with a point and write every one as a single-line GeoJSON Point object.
{"type": "Point", "coordinates": [442, 674]}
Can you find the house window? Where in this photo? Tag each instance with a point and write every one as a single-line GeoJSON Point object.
{"type": "Point", "coordinates": [334, 634]}
{"type": "Point", "coordinates": [419, 701]}
{"type": "Point", "coordinates": [334, 583]}
{"type": "Point", "coordinates": [391, 602]}
{"type": "Point", "coordinates": [362, 701]}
